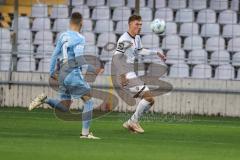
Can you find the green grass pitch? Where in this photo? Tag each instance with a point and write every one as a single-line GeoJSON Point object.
{"type": "Point", "coordinates": [40, 135]}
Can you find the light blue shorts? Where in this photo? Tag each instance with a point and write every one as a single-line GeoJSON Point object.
{"type": "Point", "coordinates": [74, 86]}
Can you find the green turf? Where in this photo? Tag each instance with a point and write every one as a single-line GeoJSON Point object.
{"type": "Point", "coordinates": [39, 135]}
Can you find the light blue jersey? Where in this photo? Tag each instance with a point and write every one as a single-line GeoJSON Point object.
{"type": "Point", "coordinates": [69, 47]}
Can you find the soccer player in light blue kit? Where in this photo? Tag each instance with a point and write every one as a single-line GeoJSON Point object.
{"type": "Point", "coordinates": [70, 51]}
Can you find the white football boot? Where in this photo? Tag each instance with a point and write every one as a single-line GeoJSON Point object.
{"type": "Point", "coordinates": [89, 136]}
{"type": "Point", "coordinates": [37, 101]}
{"type": "Point", "coordinates": [133, 126]}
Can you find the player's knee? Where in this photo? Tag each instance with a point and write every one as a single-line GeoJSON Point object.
{"type": "Point", "coordinates": [86, 97]}
{"type": "Point", "coordinates": [150, 100]}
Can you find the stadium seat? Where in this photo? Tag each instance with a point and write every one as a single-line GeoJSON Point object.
{"type": "Point", "coordinates": [197, 4]}
{"type": "Point", "coordinates": [231, 30]}
{"type": "Point", "coordinates": [210, 30]}
{"type": "Point", "coordinates": [106, 55]}
{"type": "Point", "coordinates": [146, 29]}
{"type": "Point", "coordinates": [175, 56]}
{"type": "Point", "coordinates": [23, 23]}
{"type": "Point", "coordinates": [95, 3]}
{"type": "Point", "coordinates": [59, 11]}
{"type": "Point", "coordinates": [235, 5]}
{"type": "Point", "coordinates": [131, 3]}
{"type": "Point", "coordinates": [87, 25]}
{"type": "Point", "coordinates": [41, 24]}
{"type": "Point", "coordinates": [43, 37]}
{"type": "Point", "coordinates": [193, 42]}
{"type": "Point", "coordinates": [179, 71]}
{"type": "Point", "coordinates": [91, 50]}
{"type": "Point", "coordinates": [189, 29]}
{"type": "Point", "coordinates": [171, 42]}
{"type": "Point", "coordinates": [219, 4]}
{"type": "Point", "coordinates": [225, 72]}
{"type": "Point", "coordinates": [44, 65]}
{"type": "Point", "coordinates": [122, 26]}
{"type": "Point", "coordinates": [234, 45]}
{"type": "Point", "coordinates": [227, 17]}
{"type": "Point", "coordinates": [220, 57]}
{"type": "Point", "coordinates": [90, 38]}
{"type": "Point", "coordinates": [236, 59]}
{"type": "Point", "coordinates": [146, 14]}
{"type": "Point", "coordinates": [44, 50]}
{"type": "Point", "coordinates": [5, 48]}
{"type": "Point", "coordinates": [202, 71]}
{"type": "Point", "coordinates": [150, 41]}
{"type": "Point", "coordinates": [177, 4]}
{"type": "Point", "coordinates": [115, 3]}
{"type": "Point", "coordinates": [84, 10]}
{"type": "Point", "coordinates": [101, 13]}
{"type": "Point", "coordinates": [121, 14]}
{"type": "Point", "coordinates": [171, 28]}
{"type": "Point", "coordinates": [184, 15]}
{"type": "Point", "coordinates": [30, 2]}
{"type": "Point", "coordinates": [105, 38]}
{"type": "Point", "coordinates": [26, 63]}
{"type": "Point", "coordinates": [24, 36]}
{"type": "Point", "coordinates": [158, 4]}
{"type": "Point", "coordinates": [76, 3]}
{"type": "Point", "coordinates": [39, 10]}
{"type": "Point", "coordinates": [22, 10]}
{"type": "Point", "coordinates": [206, 16]}
{"type": "Point", "coordinates": [57, 37]}
{"type": "Point", "coordinates": [198, 56]}
{"type": "Point", "coordinates": [25, 49]}
{"type": "Point", "coordinates": [5, 62]}
{"type": "Point", "coordinates": [103, 26]}
{"type": "Point", "coordinates": [165, 14]}
{"type": "Point", "coordinates": [5, 35]}
{"type": "Point", "coordinates": [238, 74]}
{"type": "Point", "coordinates": [60, 25]}
{"type": "Point", "coordinates": [215, 43]}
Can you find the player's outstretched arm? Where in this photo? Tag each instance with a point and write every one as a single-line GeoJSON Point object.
{"type": "Point", "coordinates": [146, 52]}
{"type": "Point", "coordinates": [54, 57]}
{"type": "Point", "coordinates": [162, 56]}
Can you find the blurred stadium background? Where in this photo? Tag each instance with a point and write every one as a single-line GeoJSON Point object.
{"type": "Point", "coordinates": [201, 41]}
{"type": "Point", "coordinates": [198, 120]}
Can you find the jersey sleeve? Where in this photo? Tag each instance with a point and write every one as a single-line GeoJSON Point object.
{"type": "Point", "coordinates": [120, 46]}
{"type": "Point", "coordinates": [55, 55]}
{"type": "Point", "coordinates": [143, 51]}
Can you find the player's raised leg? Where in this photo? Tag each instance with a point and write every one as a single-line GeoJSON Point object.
{"type": "Point", "coordinates": [62, 105]}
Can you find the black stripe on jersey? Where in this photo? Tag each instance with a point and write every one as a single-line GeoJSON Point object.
{"type": "Point", "coordinates": [119, 51]}
{"type": "Point", "coordinates": [131, 35]}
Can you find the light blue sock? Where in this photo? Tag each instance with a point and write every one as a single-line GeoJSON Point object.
{"type": "Point", "coordinates": [87, 116]}
{"type": "Point", "coordinates": [56, 104]}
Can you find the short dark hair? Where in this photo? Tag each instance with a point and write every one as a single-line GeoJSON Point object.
{"type": "Point", "coordinates": [76, 18]}
{"type": "Point", "coordinates": [134, 17]}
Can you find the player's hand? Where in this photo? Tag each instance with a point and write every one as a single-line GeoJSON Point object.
{"type": "Point", "coordinates": [54, 76]}
{"type": "Point", "coordinates": [162, 56]}
{"type": "Point", "coordinates": [124, 80]}
{"type": "Point", "coordinates": [99, 71]}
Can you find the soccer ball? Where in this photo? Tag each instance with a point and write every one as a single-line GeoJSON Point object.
{"type": "Point", "coordinates": [158, 26]}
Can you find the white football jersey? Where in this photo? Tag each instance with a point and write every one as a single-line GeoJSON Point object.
{"type": "Point", "coordinates": [130, 46]}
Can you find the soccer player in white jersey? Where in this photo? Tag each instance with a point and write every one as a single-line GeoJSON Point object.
{"type": "Point", "coordinates": [70, 51]}
{"type": "Point", "coordinates": [129, 46]}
